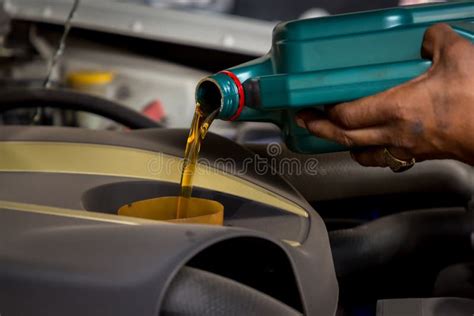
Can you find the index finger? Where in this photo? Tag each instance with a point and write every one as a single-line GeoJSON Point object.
{"type": "Point", "coordinates": [366, 112]}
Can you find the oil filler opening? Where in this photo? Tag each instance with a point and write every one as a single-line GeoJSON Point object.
{"type": "Point", "coordinates": [209, 96]}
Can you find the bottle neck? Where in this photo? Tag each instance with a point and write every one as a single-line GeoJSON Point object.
{"type": "Point", "coordinates": [221, 91]}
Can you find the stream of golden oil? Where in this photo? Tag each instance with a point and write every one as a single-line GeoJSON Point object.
{"type": "Point", "coordinates": [199, 128]}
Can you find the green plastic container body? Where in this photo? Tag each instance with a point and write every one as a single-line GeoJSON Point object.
{"type": "Point", "coordinates": [329, 60]}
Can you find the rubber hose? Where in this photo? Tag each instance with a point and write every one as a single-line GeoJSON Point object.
{"type": "Point", "coordinates": [443, 231]}
{"type": "Point", "coordinates": [194, 292]}
{"type": "Point", "coordinates": [71, 100]}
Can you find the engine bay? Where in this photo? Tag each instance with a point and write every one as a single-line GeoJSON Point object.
{"type": "Point", "coordinates": [302, 234]}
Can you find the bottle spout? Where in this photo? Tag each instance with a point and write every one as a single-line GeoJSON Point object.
{"type": "Point", "coordinates": [219, 92]}
{"type": "Point", "coordinates": [209, 95]}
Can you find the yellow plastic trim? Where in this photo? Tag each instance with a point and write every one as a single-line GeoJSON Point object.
{"type": "Point", "coordinates": [64, 212]}
{"type": "Point", "coordinates": [79, 158]}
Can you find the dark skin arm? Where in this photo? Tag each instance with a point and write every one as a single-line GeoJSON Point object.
{"type": "Point", "coordinates": [429, 117]}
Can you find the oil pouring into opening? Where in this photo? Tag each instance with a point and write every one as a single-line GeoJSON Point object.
{"type": "Point", "coordinates": [202, 120]}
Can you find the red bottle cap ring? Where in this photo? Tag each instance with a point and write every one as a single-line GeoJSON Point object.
{"type": "Point", "coordinates": [240, 88]}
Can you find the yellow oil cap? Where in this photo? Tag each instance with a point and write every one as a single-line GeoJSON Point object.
{"type": "Point", "coordinates": [90, 78]}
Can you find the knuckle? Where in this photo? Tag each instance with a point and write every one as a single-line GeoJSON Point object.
{"type": "Point", "coordinates": [433, 32]}
{"type": "Point", "coordinates": [345, 139]}
{"type": "Point", "coordinates": [400, 111]}
{"type": "Point", "coordinates": [312, 127]}
{"type": "Point", "coordinates": [345, 119]}
{"type": "Point", "coordinates": [437, 28]}
{"type": "Point", "coordinates": [341, 115]}
{"type": "Point", "coordinates": [429, 34]}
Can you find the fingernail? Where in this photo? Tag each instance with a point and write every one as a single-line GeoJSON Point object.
{"type": "Point", "coordinates": [300, 122]}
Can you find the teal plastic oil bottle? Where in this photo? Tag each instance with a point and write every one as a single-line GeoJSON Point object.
{"type": "Point", "coordinates": [329, 60]}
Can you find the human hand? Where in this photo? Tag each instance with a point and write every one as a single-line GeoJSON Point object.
{"type": "Point", "coordinates": [429, 117]}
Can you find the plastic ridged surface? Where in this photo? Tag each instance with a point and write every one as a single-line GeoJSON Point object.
{"type": "Point", "coordinates": [195, 292]}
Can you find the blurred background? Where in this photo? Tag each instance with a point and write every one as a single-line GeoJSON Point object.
{"type": "Point", "coordinates": [276, 10]}
{"type": "Point", "coordinates": [145, 54]}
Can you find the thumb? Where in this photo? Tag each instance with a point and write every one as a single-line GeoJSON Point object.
{"type": "Point", "coordinates": [435, 41]}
